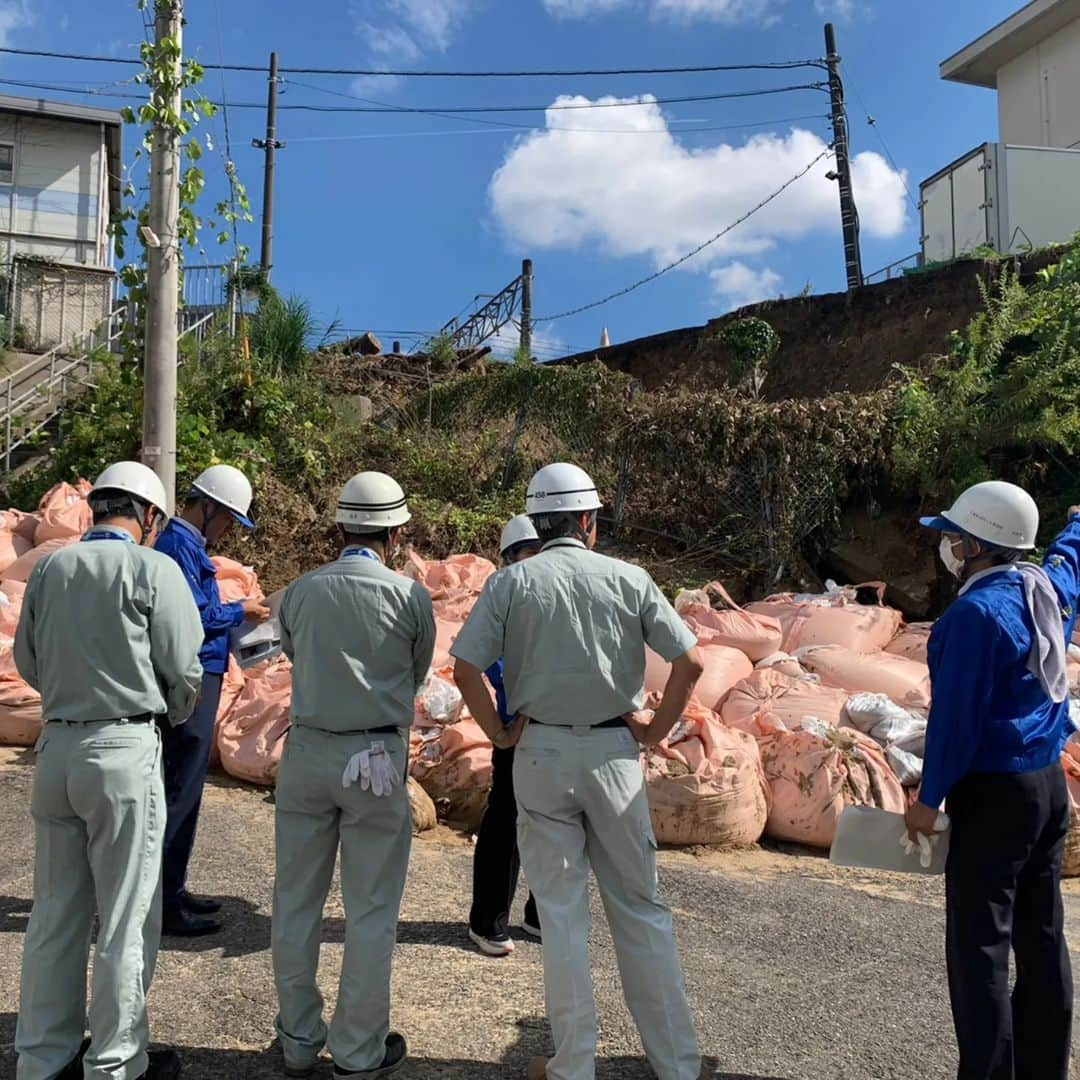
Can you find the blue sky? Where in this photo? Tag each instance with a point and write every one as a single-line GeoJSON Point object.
{"type": "Point", "coordinates": [395, 222]}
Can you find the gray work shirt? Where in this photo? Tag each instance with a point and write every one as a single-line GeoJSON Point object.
{"type": "Point", "coordinates": [361, 638]}
{"type": "Point", "coordinates": [109, 630]}
{"type": "Point", "coordinates": [572, 626]}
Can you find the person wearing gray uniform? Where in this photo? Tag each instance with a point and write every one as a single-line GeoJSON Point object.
{"type": "Point", "coordinates": [572, 626]}
{"type": "Point", "coordinates": [110, 636]}
{"type": "Point", "coordinates": [361, 638]}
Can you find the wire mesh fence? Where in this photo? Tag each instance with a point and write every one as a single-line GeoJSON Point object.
{"type": "Point", "coordinates": [55, 306]}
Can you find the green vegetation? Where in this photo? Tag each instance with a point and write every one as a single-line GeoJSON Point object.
{"type": "Point", "coordinates": [753, 344]}
{"type": "Point", "coordinates": [1004, 401]}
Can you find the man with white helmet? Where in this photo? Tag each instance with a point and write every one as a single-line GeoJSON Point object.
{"type": "Point", "coordinates": [572, 626]}
{"type": "Point", "coordinates": [219, 497]}
{"type": "Point", "coordinates": [361, 638]}
{"type": "Point", "coordinates": [999, 720]}
{"type": "Point", "coordinates": [110, 637]}
{"type": "Point", "coordinates": [496, 862]}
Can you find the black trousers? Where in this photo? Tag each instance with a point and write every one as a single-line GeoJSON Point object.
{"type": "Point", "coordinates": [496, 864]}
{"type": "Point", "coordinates": [186, 757]}
{"type": "Point", "coordinates": [1003, 890]}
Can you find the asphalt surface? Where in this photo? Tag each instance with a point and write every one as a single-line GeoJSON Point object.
{"type": "Point", "coordinates": [795, 970]}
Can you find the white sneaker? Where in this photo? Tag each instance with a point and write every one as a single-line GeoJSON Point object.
{"type": "Point", "coordinates": [531, 930]}
{"type": "Point", "coordinates": [502, 946]}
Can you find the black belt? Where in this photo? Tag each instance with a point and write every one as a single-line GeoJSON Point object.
{"type": "Point", "coordinates": [614, 722]}
{"type": "Point", "coordinates": [389, 729]}
{"type": "Point", "coordinates": [142, 718]}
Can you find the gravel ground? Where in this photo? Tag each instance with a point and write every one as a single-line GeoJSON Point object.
{"type": "Point", "coordinates": [796, 971]}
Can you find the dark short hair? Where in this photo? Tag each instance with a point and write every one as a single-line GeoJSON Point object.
{"type": "Point", "coordinates": [379, 536]}
{"type": "Point", "coordinates": [557, 525]}
{"type": "Point", "coordinates": [510, 555]}
{"type": "Point", "coordinates": [108, 503]}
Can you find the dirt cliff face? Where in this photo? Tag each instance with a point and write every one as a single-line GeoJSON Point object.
{"type": "Point", "coordinates": [838, 341]}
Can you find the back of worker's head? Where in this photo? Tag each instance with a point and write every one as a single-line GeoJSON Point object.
{"type": "Point", "coordinates": [562, 501]}
{"type": "Point", "coordinates": [371, 510]}
{"type": "Point", "coordinates": [131, 494]}
{"type": "Point", "coordinates": [519, 540]}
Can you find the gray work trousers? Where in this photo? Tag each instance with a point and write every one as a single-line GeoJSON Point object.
{"type": "Point", "coordinates": [99, 823]}
{"type": "Point", "coordinates": [581, 803]}
{"type": "Point", "coordinates": [315, 815]}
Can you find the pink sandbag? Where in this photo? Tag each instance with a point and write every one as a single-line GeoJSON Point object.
{"type": "Point", "coordinates": [21, 524]}
{"type": "Point", "coordinates": [454, 583]}
{"type": "Point", "coordinates": [911, 642]}
{"type": "Point", "coordinates": [814, 778]}
{"type": "Point", "coordinates": [10, 610]}
{"type": "Point", "coordinates": [64, 513]}
{"type": "Point", "coordinates": [12, 547]}
{"type": "Point", "coordinates": [252, 736]}
{"type": "Point", "coordinates": [1070, 762]}
{"type": "Point", "coordinates": [758, 636]}
{"type": "Point", "coordinates": [705, 784]}
{"type": "Point", "coordinates": [833, 619]}
{"type": "Point", "coordinates": [907, 682]}
{"type": "Point", "coordinates": [20, 706]}
{"type": "Point", "coordinates": [452, 763]}
{"type": "Point", "coordinates": [724, 667]}
{"type": "Point", "coordinates": [445, 632]}
{"type": "Point", "coordinates": [23, 567]}
{"type": "Point", "coordinates": [231, 686]}
{"type": "Point", "coordinates": [236, 582]}
{"type": "Point", "coordinates": [770, 701]}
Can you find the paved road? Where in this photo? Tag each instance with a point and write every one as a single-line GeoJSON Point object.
{"type": "Point", "coordinates": [796, 971]}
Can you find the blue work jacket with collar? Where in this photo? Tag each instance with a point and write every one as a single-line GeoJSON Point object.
{"type": "Point", "coordinates": [187, 547]}
{"type": "Point", "coordinates": [990, 714]}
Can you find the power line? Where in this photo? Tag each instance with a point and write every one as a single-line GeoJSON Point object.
{"type": "Point", "coordinates": [779, 65]}
{"type": "Point", "coordinates": [689, 255]}
{"type": "Point", "coordinates": [456, 109]}
{"type": "Point", "coordinates": [505, 128]}
{"type": "Point", "coordinates": [871, 121]}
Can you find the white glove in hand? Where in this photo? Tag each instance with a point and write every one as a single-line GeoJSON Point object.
{"type": "Point", "coordinates": [925, 844]}
{"type": "Point", "coordinates": [374, 769]}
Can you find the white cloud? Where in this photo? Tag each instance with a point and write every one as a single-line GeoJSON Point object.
{"type": "Point", "coordinates": [14, 15]}
{"type": "Point", "coordinates": [404, 30]}
{"type": "Point", "coordinates": [739, 285]}
{"type": "Point", "coordinates": [835, 9]}
{"type": "Point", "coordinates": [729, 11]}
{"type": "Point", "coordinates": [632, 194]}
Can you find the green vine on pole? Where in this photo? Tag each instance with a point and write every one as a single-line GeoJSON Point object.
{"type": "Point", "coordinates": [159, 75]}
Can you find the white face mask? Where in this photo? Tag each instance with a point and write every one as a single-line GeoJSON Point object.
{"type": "Point", "coordinates": [954, 565]}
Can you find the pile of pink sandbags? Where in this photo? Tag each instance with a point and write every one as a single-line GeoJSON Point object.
{"type": "Point", "coordinates": [454, 585]}
{"type": "Point", "coordinates": [251, 735]}
{"type": "Point", "coordinates": [705, 784]}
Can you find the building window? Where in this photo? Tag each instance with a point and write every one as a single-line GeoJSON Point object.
{"type": "Point", "coordinates": [7, 163]}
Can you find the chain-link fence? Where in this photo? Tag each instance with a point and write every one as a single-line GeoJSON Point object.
{"type": "Point", "coordinates": [54, 305]}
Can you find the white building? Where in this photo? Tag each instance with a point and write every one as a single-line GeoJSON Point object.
{"type": "Point", "coordinates": [1022, 191]}
{"type": "Point", "coordinates": [60, 187]}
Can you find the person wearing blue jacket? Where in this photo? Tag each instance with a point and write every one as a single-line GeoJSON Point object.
{"type": "Point", "coordinates": [496, 862]}
{"type": "Point", "coordinates": [219, 497]}
{"type": "Point", "coordinates": [999, 721]}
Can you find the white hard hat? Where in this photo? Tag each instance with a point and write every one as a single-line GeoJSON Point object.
{"type": "Point", "coordinates": [372, 500]}
{"type": "Point", "coordinates": [229, 487]}
{"type": "Point", "coordinates": [995, 512]}
{"type": "Point", "coordinates": [561, 487]}
{"type": "Point", "coordinates": [518, 530]}
{"type": "Point", "coordinates": [134, 478]}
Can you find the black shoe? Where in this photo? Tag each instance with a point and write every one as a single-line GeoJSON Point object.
{"type": "Point", "coordinates": [183, 924]}
{"type": "Point", "coordinates": [164, 1065]}
{"type": "Point", "coordinates": [74, 1070]}
{"type": "Point", "coordinates": [198, 905]}
{"type": "Point", "coordinates": [393, 1059]}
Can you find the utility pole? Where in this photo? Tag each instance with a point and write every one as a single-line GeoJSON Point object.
{"type": "Point", "coordinates": [270, 145]}
{"type": "Point", "coordinates": [526, 306]}
{"type": "Point", "coordinates": [849, 214]}
{"type": "Point", "coordinates": [163, 266]}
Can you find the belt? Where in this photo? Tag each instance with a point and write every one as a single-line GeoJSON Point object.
{"type": "Point", "coordinates": [142, 718]}
{"type": "Point", "coordinates": [614, 722]}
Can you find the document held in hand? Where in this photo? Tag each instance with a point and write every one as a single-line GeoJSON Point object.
{"type": "Point", "coordinates": [253, 642]}
{"type": "Point", "coordinates": [871, 839]}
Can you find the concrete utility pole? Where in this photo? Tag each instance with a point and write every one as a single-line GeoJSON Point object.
{"type": "Point", "coordinates": [270, 145]}
{"type": "Point", "coordinates": [526, 305]}
{"type": "Point", "coordinates": [163, 270]}
{"type": "Point", "coordinates": [849, 214]}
